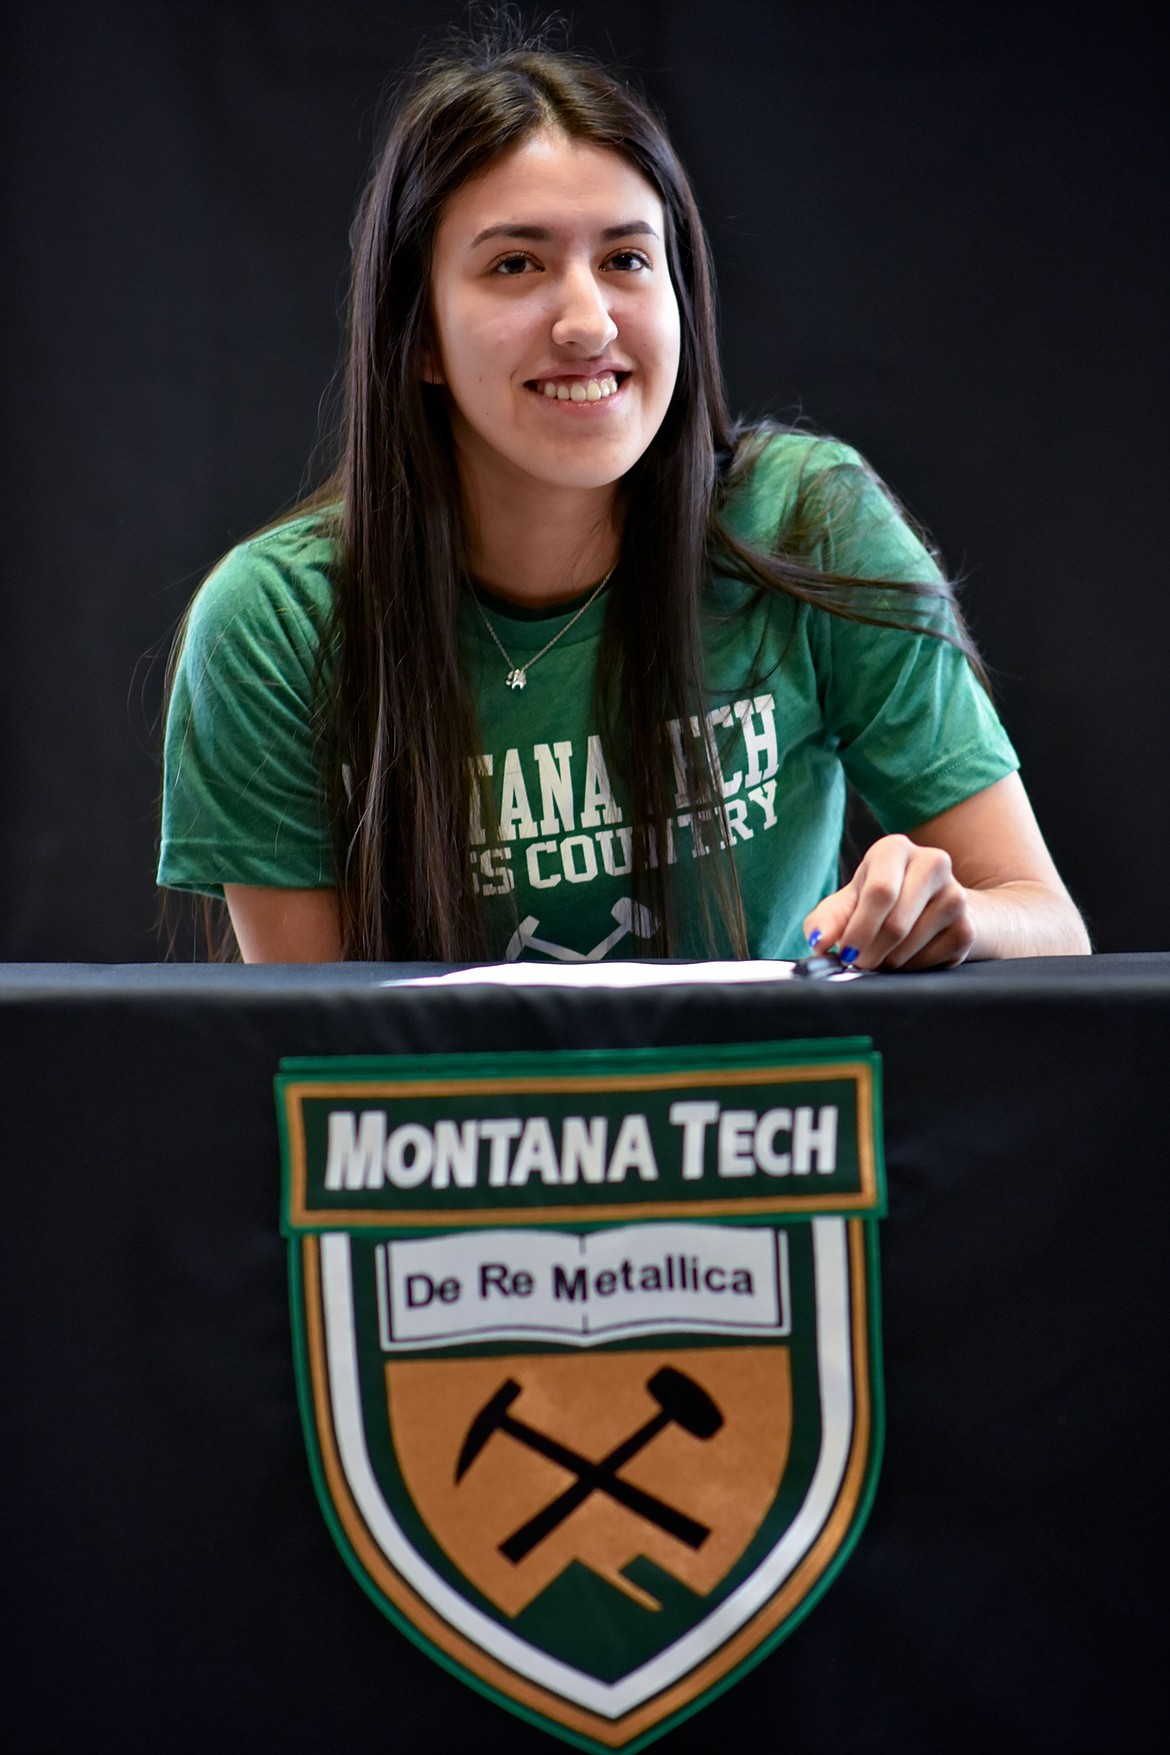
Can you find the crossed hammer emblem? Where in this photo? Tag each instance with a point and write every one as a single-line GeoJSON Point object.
{"type": "Point", "coordinates": [681, 1402]}
{"type": "Point", "coordinates": [631, 917]}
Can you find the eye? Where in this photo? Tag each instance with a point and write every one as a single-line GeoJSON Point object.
{"type": "Point", "coordinates": [628, 261]}
{"type": "Point", "coordinates": [515, 263]}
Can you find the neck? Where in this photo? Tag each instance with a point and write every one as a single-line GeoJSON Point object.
{"type": "Point", "coordinates": [538, 546]}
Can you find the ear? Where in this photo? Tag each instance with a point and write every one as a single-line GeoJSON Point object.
{"type": "Point", "coordinates": [429, 371]}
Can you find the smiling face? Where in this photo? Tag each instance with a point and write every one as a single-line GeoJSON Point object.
{"type": "Point", "coordinates": [555, 321]}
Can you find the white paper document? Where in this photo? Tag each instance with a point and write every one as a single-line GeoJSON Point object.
{"type": "Point", "coordinates": [616, 974]}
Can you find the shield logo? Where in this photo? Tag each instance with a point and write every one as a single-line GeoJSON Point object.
{"type": "Point", "coordinates": [586, 1351]}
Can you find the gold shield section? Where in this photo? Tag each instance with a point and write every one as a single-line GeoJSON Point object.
{"type": "Point", "coordinates": [722, 1481]}
{"type": "Point", "coordinates": [611, 1733]}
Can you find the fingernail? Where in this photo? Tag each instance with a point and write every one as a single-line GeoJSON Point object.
{"type": "Point", "coordinates": [814, 939]}
{"type": "Point", "coordinates": [849, 955]}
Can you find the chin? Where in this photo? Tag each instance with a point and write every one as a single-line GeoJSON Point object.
{"type": "Point", "coordinates": [586, 472]}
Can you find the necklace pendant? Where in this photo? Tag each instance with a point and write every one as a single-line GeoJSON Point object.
{"type": "Point", "coordinates": [515, 679]}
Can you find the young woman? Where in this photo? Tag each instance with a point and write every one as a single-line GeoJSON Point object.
{"type": "Point", "coordinates": [561, 664]}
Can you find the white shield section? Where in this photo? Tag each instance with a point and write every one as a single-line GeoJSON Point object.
{"type": "Point", "coordinates": [608, 1699]}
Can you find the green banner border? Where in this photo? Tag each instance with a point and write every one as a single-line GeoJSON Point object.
{"type": "Point", "coordinates": [584, 1064]}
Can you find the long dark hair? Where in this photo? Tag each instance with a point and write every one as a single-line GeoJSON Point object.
{"type": "Point", "coordinates": [401, 730]}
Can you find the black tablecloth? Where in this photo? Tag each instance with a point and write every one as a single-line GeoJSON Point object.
{"type": "Point", "coordinates": [168, 1582]}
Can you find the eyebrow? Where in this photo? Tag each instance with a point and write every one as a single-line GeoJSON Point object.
{"type": "Point", "coordinates": [539, 234]}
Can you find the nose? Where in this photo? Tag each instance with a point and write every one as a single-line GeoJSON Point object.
{"type": "Point", "coordinates": [583, 321]}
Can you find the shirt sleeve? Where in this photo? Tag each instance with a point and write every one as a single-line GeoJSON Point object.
{"type": "Point", "coordinates": [915, 730]}
{"type": "Point", "coordinates": [243, 796]}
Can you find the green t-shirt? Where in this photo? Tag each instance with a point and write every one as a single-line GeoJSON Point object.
{"type": "Point", "coordinates": [798, 700]}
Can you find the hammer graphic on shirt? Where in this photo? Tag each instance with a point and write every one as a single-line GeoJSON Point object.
{"type": "Point", "coordinates": [631, 917]}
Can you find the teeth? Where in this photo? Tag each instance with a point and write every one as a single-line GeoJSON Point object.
{"type": "Point", "coordinates": [588, 390]}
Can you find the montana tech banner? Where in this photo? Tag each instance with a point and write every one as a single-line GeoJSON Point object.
{"type": "Point", "coordinates": [587, 1354]}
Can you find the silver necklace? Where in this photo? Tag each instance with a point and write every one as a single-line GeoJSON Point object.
{"type": "Point", "coordinates": [517, 677]}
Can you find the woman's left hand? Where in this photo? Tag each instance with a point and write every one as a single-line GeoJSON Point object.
{"type": "Point", "coordinates": [903, 908]}
{"type": "Point", "coordinates": [975, 882]}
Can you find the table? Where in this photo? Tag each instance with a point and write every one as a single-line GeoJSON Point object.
{"type": "Point", "coordinates": [168, 1581]}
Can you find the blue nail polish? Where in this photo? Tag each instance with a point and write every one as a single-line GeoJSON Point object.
{"type": "Point", "coordinates": [814, 939]}
{"type": "Point", "coordinates": [849, 955]}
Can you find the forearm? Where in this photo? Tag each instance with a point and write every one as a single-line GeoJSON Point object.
{"type": "Point", "coordinates": [285, 926]}
{"type": "Point", "coordinates": [1024, 918]}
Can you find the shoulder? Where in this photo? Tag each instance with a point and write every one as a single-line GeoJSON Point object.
{"type": "Point", "coordinates": [822, 503]}
{"type": "Point", "coordinates": [772, 476]}
{"type": "Point", "coordinates": [270, 599]}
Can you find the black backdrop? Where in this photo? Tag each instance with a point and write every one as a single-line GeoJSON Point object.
{"type": "Point", "coordinates": [939, 234]}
